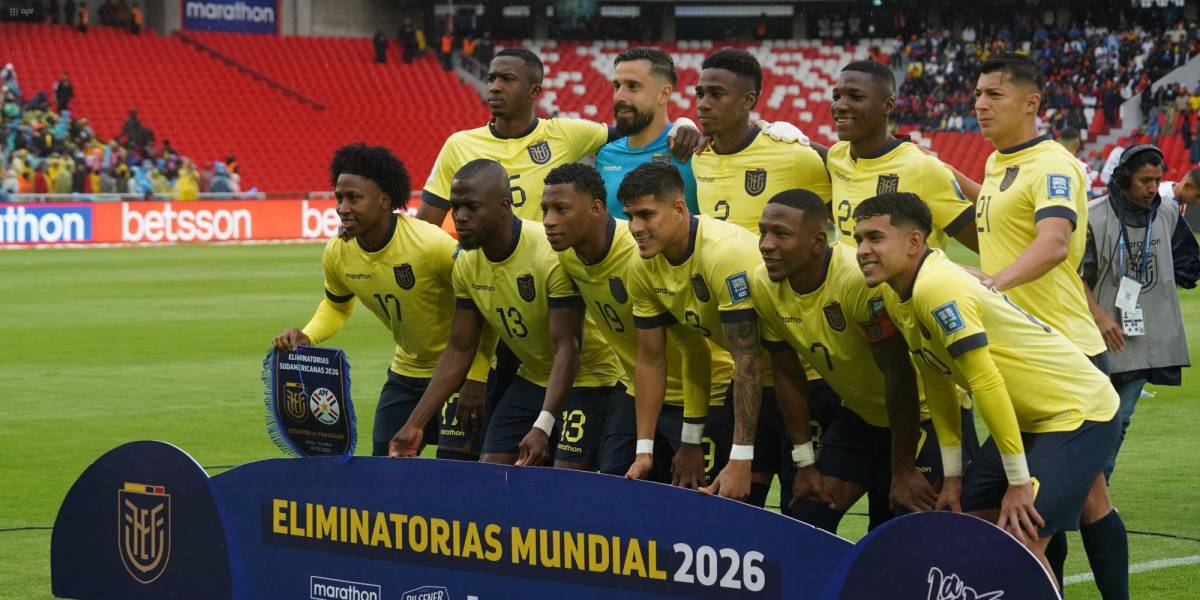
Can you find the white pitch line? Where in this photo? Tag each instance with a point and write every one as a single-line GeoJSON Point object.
{"type": "Point", "coordinates": [1153, 565]}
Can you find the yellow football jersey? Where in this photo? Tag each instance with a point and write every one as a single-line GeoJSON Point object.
{"type": "Point", "coordinates": [406, 284]}
{"type": "Point", "coordinates": [825, 327]}
{"type": "Point", "coordinates": [1022, 185]}
{"type": "Point", "coordinates": [527, 158]}
{"type": "Point", "coordinates": [735, 187]}
{"type": "Point", "coordinates": [604, 287]}
{"type": "Point", "coordinates": [515, 296]}
{"type": "Point", "coordinates": [711, 286]}
{"type": "Point", "coordinates": [1051, 384]}
{"type": "Point", "coordinates": [900, 167]}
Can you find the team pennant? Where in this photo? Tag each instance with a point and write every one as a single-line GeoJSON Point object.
{"type": "Point", "coordinates": [307, 401]}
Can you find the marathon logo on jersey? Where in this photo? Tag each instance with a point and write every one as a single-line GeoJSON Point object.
{"type": "Point", "coordinates": [887, 183]}
{"type": "Point", "coordinates": [756, 181]}
{"type": "Point", "coordinates": [526, 288]}
{"type": "Point", "coordinates": [1010, 176]}
{"type": "Point", "coordinates": [1058, 186]}
{"type": "Point", "coordinates": [617, 288]}
{"type": "Point", "coordinates": [144, 530]}
{"type": "Point", "coordinates": [326, 588]}
{"type": "Point", "coordinates": [404, 276]}
{"type": "Point", "coordinates": [540, 152]}
{"type": "Point", "coordinates": [428, 592]}
{"type": "Point", "coordinates": [948, 317]}
{"type": "Point", "coordinates": [834, 316]}
{"type": "Point", "coordinates": [738, 286]}
{"type": "Point", "coordinates": [246, 16]}
{"type": "Point", "coordinates": [45, 224]}
{"type": "Point", "coordinates": [700, 288]}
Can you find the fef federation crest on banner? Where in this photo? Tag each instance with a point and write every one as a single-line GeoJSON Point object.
{"type": "Point", "coordinates": [756, 181]}
{"type": "Point", "coordinates": [1010, 176]}
{"type": "Point", "coordinates": [540, 152]}
{"type": "Point", "coordinates": [887, 183]}
{"type": "Point", "coordinates": [617, 288]}
{"type": "Point", "coordinates": [526, 287]}
{"type": "Point", "coordinates": [404, 276]}
{"type": "Point", "coordinates": [144, 530]}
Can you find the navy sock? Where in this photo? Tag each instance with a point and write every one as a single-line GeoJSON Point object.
{"type": "Point", "coordinates": [817, 515]}
{"type": "Point", "coordinates": [1107, 546]}
{"type": "Point", "coordinates": [1056, 555]}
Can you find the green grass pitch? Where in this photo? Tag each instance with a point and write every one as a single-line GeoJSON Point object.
{"type": "Point", "coordinates": [104, 346]}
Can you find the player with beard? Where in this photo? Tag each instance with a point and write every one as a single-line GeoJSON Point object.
{"type": "Point", "coordinates": [391, 261]}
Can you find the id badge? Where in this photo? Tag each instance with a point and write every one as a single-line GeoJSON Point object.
{"type": "Point", "coordinates": [1132, 322]}
{"type": "Point", "coordinates": [1127, 295]}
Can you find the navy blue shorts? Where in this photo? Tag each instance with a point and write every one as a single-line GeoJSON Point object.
{"type": "Point", "coordinates": [598, 429]}
{"type": "Point", "coordinates": [520, 406]}
{"type": "Point", "coordinates": [1064, 463]}
{"type": "Point", "coordinates": [716, 440]}
{"type": "Point", "coordinates": [860, 453]}
{"type": "Point", "coordinates": [397, 400]}
{"type": "Point", "coordinates": [773, 444]}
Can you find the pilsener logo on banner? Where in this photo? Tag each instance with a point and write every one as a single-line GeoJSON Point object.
{"type": "Point", "coordinates": [307, 400]}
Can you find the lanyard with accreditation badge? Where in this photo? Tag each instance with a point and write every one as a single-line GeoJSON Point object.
{"type": "Point", "coordinates": [1129, 292]}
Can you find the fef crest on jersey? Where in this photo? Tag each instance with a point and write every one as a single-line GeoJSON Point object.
{"type": "Point", "coordinates": [526, 288]}
{"type": "Point", "coordinates": [540, 152]}
{"type": "Point", "coordinates": [700, 288]}
{"type": "Point", "coordinates": [404, 276]}
{"type": "Point", "coordinates": [1010, 176]}
{"type": "Point", "coordinates": [834, 316]}
{"type": "Point", "coordinates": [617, 288]}
{"type": "Point", "coordinates": [887, 183]}
{"type": "Point", "coordinates": [756, 181]}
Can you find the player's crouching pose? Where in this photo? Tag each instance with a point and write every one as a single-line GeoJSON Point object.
{"type": "Point", "coordinates": [1050, 411]}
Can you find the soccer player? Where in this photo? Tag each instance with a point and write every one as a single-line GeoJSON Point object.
{"type": "Point", "coordinates": [643, 81]}
{"type": "Point", "coordinates": [508, 280]}
{"type": "Point", "coordinates": [695, 271]}
{"type": "Point", "coordinates": [868, 160]}
{"type": "Point", "coordinates": [595, 250]}
{"type": "Point", "coordinates": [812, 301]}
{"type": "Point", "coordinates": [1032, 224]}
{"type": "Point", "coordinates": [526, 146]}
{"type": "Point", "coordinates": [742, 169]}
{"type": "Point", "coordinates": [399, 267]}
{"type": "Point", "coordinates": [1050, 411]}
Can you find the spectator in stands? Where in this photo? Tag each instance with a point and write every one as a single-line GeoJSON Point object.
{"type": "Point", "coordinates": [53, 12]}
{"type": "Point", "coordinates": [135, 19]}
{"type": "Point", "coordinates": [63, 92]}
{"type": "Point", "coordinates": [123, 14]}
{"type": "Point", "coordinates": [8, 77]}
{"type": "Point", "coordinates": [63, 179]}
{"type": "Point", "coordinates": [69, 13]}
{"type": "Point", "coordinates": [447, 49]}
{"type": "Point", "coordinates": [132, 132]}
{"type": "Point", "coordinates": [468, 46]}
{"type": "Point", "coordinates": [83, 18]}
{"type": "Point", "coordinates": [381, 44]}
{"type": "Point", "coordinates": [12, 185]}
{"type": "Point", "coordinates": [408, 41]}
{"type": "Point", "coordinates": [41, 183]}
{"type": "Point", "coordinates": [187, 187]}
{"type": "Point", "coordinates": [108, 13]}
{"type": "Point", "coordinates": [220, 180]}
{"type": "Point", "coordinates": [487, 49]}
{"type": "Point", "coordinates": [1186, 128]}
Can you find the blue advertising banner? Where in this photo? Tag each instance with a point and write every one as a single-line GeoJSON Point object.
{"type": "Point", "coordinates": [243, 16]}
{"type": "Point", "coordinates": [144, 522]}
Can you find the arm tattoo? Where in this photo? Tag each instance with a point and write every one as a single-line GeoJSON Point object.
{"type": "Point", "coordinates": [747, 378]}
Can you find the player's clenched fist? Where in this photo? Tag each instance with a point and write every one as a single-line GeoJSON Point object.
{"type": "Point", "coordinates": [290, 338]}
{"type": "Point", "coordinates": [407, 442]}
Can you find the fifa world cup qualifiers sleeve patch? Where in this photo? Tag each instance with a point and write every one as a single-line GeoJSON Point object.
{"type": "Point", "coordinates": [1058, 186]}
{"type": "Point", "coordinates": [739, 287]}
{"type": "Point", "coordinates": [949, 318]}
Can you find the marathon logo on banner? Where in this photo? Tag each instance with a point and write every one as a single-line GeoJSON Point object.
{"type": "Point", "coordinates": [46, 224]}
{"type": "Point", "coordinates": [307, 398]}
{"type": "Point", "coordinates": [245, 16]}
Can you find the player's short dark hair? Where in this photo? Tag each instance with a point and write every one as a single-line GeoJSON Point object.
{"type": "Point", "coordinates": [1068, 133]}
{"type": "Point", "coordinates": [1020, 68]}
{"type": "Point", "coordinates": [377, 164]}
{"type": "Point", "coordinates": [903, 208]}
{"type": "Point", "coordinates": [736, 61]}
{"type": "Point", "coordinates": [1193, 175]}
{"type": "Point", "coordinates": [480, 166]}
{"type": "Point", "coordinates": [805, 200]}
{"type": "Point", "coordinates": [584, 177]}
{"type": "Point", "coordinates": [531, 60]}
{"type": "Point", "coordinates": [880, 74]}
{"type": "Point", "coordinates": [661, 63]}
{"type": "Point", "coordinates": [662, 180]}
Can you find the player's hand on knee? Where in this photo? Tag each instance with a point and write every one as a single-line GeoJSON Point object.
{"type": "Point", "coordinates": [534, 449]}
{"type": "Point", "coordinates": [687, 466]}
{"type": "Point", "coordinates": [912, 492]}
{"type": "Point", "coordinates": [1018, 516]}
{"type": "Point", "coordinates": [732, 482]}
{"type": "Point", "coordinates": [290, 338]}
{"type": "Point", "coordinates": [949, 497]}
{"type": "Point", "coordinates": [469, 410]}
{"type": "Point", "coordinates": [808, 486]}
{"type": "Point", "coordinates": [641, 467]}
{"type": "Point", "coordinates": [407, 442]}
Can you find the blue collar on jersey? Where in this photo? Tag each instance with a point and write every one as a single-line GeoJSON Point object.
{"type": "Point", "coordinates": [913, 285]}
{"type": "Point", "coordinates": [888, 147]}
{"type": "Point", "coordinates": [609, 233]}
{"type": "Point", "coordinates": [824, 274]}
{"type": "Point", "coordinates": [492, 130]}
{"type": "Point", "coordinates": [694, 228]}
{"type": "Point", "coordinates": [754, 131]}
{"type": "Point", "coordinates": [1031, 143]}
{"type": "Point", "coordinates": [512, 247]}
{"type": "Point", "coordinates": [386, 239]}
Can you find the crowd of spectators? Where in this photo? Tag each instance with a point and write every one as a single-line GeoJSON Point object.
{"type": "Point", "coordinates": [1089, 69]}
{"type": "Point", "coordinates": [78, 14]}
{"type": "Point", "coordinates": [45, 149]}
